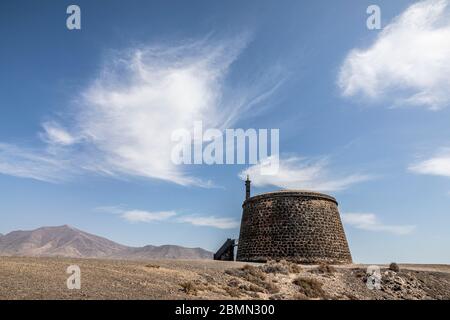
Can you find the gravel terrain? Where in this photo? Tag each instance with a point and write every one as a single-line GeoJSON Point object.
{"type": "Point", "coordinates": [45, 278]}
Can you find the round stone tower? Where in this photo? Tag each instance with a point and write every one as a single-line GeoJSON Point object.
{"type": "Point", "coordinates": [300, 226]}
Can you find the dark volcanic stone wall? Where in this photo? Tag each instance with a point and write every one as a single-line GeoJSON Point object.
{"type": "Point", "coordinates": [294, 225]}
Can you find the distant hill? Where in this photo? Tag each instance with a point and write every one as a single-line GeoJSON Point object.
{"type": "Point", "coordinates": [165, 252]}
{"type": "Point", "coordinates": [67, 241]}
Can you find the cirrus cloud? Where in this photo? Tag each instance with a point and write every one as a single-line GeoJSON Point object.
{"type": "Point", "coordinates": [301, 173]}
{"type": "Point", "coordinates": [144, 216]}
{"type": "Point", "coordinates": [370, 222]}
{"type": "Point", "coordinates": [210, 221]}
{"type": "Point", "coordinates": [35, 164]}
{"type": "Point", "coordinates": [122, 122]}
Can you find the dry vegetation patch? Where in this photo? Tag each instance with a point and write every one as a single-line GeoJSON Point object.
{"type": "Point", "coordinates": [257, 280]}
{"type": "Point", "coordinates": [310, 287]}
{"type": "Point", "coordinates": [189, 287]}
{"type": "Point", "coordinates": [394, 267]}
{"type": "Point", "coordinates": [324, 268]}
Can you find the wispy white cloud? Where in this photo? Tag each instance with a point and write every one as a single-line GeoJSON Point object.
{"type": "Point", "coordinates": [31, 163]}
{"type": "Point", "coordinates": [409, 62]}
{"type": "Point", "coordinates": [301, 173]}
{"type": "Point", "coordinates": [210, 221]}
{"type": "Point", "coordinates": [370, 222]}
{"type": "Point", "coordinates": [146, 216]}
{"type": "Point", "coordinates": [130, 112]}
{"type": "Point", "coordinates": [55, 134]}
{"type": "Point", "coordinates": [137, 216]}
{"type": "Point", "coordinates": [438, 165]}
{"type": "Point", "coordinates": [123, 121]}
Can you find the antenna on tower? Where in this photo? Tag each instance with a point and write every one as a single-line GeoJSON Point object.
{"type": "Point", "coordinates": [247, 187]}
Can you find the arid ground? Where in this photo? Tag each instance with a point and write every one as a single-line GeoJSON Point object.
{"type": "Point", "coordinates": [45, 278]}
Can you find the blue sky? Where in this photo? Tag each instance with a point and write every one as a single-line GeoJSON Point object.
{"type": "Point", "coordinates": [86, 117]}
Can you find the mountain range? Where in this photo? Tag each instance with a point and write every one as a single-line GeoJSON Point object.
{"type": "Point", "coordinates": [67, 241]}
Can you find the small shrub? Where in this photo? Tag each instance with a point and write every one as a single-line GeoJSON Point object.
{"type": "Point", "coordinates": [259, 285]}
{"type": "Point", "coordinates": [299, 296]}
{"type": "Point", "coordinates": [251, 272]}
{"type": "Point", "coordinates": [233, 283]}
{"type": "Point", "coordinates": [257, 278]}
{"type": "Point", "coordinates": [233, 292]}
{"type": "Point", "coordinates": [254, 288]}
{"type": "Point", "coordinates": [271, 287]}
{"type": "Point", "coordinates": [394, 267]}
{"type": "Point", "coordinates": [234, 272]}
{"type": "Point", "coordinates": [254, 295]}
{"type": "Point", "coordinates": [294, 268]}
{"type": "Point", "coordinates": [324, 268]}
{"type": "Point", "coordinates": [275, 268]}
{"type": "Point", "coordinates": [310, 287]}
{"type": "Point", "coordinates": [359, 273]}
{"type": "Point", "coordinates": [281, 267]}
{"type": "Point", "coordinates": [153, 266]}
{"type": "Point", "coordinates": [189, 287]}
